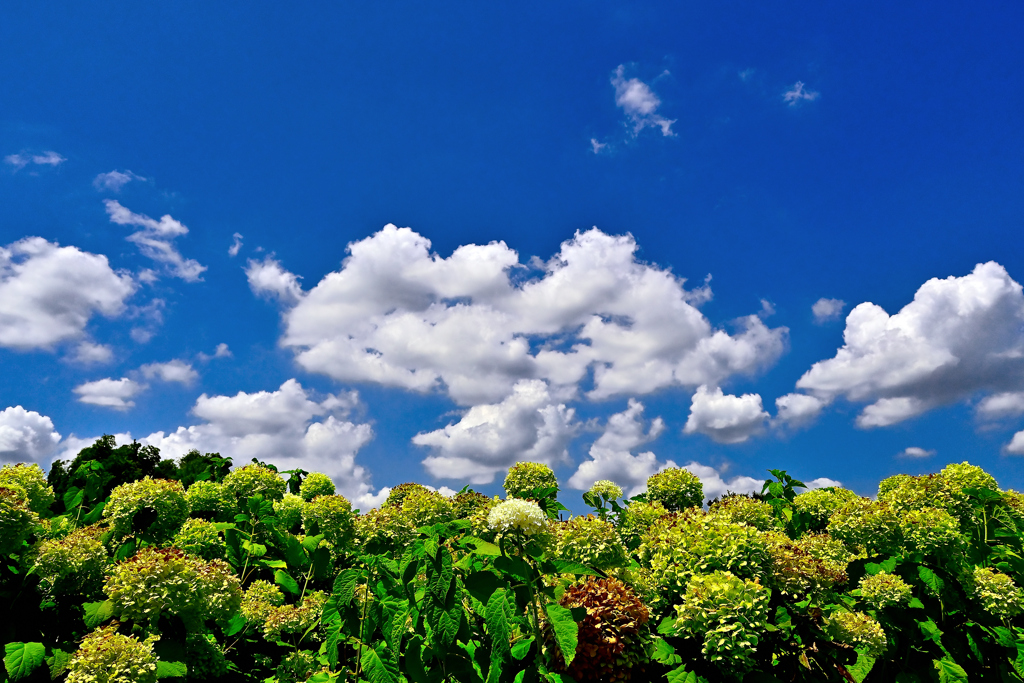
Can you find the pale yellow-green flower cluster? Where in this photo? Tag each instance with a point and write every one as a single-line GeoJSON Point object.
{"type": "Point", "coordinates": [637, 519]}
{"type": "Point", "coordinates": [289, 509]}
{"type": "Point", "coordinates": [820, 504]}
{"type": "Point", "coordinates": [32, 480]}
{"type": "Point", "coordinates": [883, 590]}
{"type": "Point", "coordinates": [211, 500]}
{"type": "Point", "coordinates": [331, 516]}
{"type": "Point", "coordinates": [996, 592]}
{"type": "Point", "coordinates": [676, 489]}
{"type": "Point", "coordinates": [259, 600]}
{"type": "Point", "coordinates": [728, 614]}
{"type": "Point", "coordinates": [163, 499]}
{"type": "Point", "coordinates": [155, 581]}
{"type": "Point", "coordinates": [865, 525]}
{"type": "Point", "coordinates": [746, 510]}
{"type": "Point", "coordinates": [858, 630]}
{"type": "Point", "coordinates": [255, 479]}
{"type": "Point", "coordinates": [296, 667]}
{"type": "Point", "coordinates": [590, 541]}
{"type": "Point", "coordinates": [426, 508]}
{"type": "Point", "coordinates": [387, 527]}
{"type": "Point", "coordinates": [522, 516]}
{"type": "Point", "coordinates": [200, 538]}
{"type": "Point", "coordinates": [608, 490]}
{"type": "Point", "coordinates": [106, 656]}
{"type": "Point", "coordinates": [294, 618]}
{"type": "Point", "coordinates": [316, 484]}
{"type": "Point", "coordinates": [931, 531]}
{"type": "Point", "coordinates": [73, 565]}
{"type": "Point", "coordinates": [802, 568]}
{"type": "Point", "coordinates": [523, 477]}
{"type": "Point", "coordinates": [16, 519]}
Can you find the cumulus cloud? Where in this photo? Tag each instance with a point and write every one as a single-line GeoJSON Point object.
{"type": "Point", "coordinates": [798, 94]}
{"type": "Point", "coordinates": [478, 321]}
{"type": "Point", "coordinates": [48, 293]}
{"type": "Point", "coordinates": [1002, 405]}
{"type": "Point", "coordinates": [959, 337]}
{"type": "Point", "coordinates": [26, 436]}
{"type": "Point", "coordinates": [287, 427]}
{"type": "Point", "coordinates": [827, 310]}
{"type": "Point", "coordinates": [528, 425]}
{"type": "Point", "coordinates": [723, 417]}
{"type": "Point", "coordinates": [155, 240]}
{"type": "Point", "coordinates": [822, 482]}
{"type": "Point", "coordinates": [639, 103]}
{"type": "Point", "coordinates": [90, 353]}
{"type": "Point", "coordinates": [236, 245]}
{"type": "Point", "coordinates": [1016, 445]}
{"type": "Point", "coordinates": [20, 161]}
{"type": "Point", "coordinates": [611, 455]}
{"type": "Point", "coordinates": [797, 410]}
{"type": "Point", "coordinates": [268, 279]}
{"type": "Point", "coordinates": [114, 181]}
{"type": "Point", "coordinates": [110, 393]}
{"type": "Point", "coordinates": [916, 452]}
{"type": "Point", "coordinates": [171, 371]}
{"type": "Point", "coordinates": [222, 351]}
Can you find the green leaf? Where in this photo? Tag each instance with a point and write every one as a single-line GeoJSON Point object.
{"type": "Point", "coordinates": [498, 620]}
{"type": "Point", "coordinates": [441, 579]}
{"type": "Point", "coordinates": [932, 632]}
{"type": "Point", "coordinates": [481, 547]}
{"type": "Point", "coordinates": [916, 604]}
{"type": "Point", "coordinates": [377, 665]}
{"type": "Point", "coordinates": [567, 567]}
{"type": "Point", "coordinates": [950, 671]}
{"type": "Point", "coordinates": [94, 514]}
{"type": "Point", "coordinates": [862, 667]}
{"type": "Point", "coordinates": [681, 675]}
{"type": "Point", "coordinates": [58, 663]}
{"type": "Point", "coordinates": [274, 564]}
{"type": "Point", "coordinates": [931, 579]}
{"type": "Point", "coordinates": [98, 612]}
{"type": "Point", "coordinates": [73, 498]}
{"type": "Point", "coordinates": [414, 670]}
{"type": "Point", "coordinates": [522, 648]}
{"type": "Point", "coordinates": [21, 659]}
{"type": "Point", "coordinates": [513, 566]}
{"type": "Point", "coordinates": [481, 585]}
{"type": "Point", "coordinates": [665, 653]}
{"type": "Point", "coordinates": [565, 629]}
{"type": "Point", "coordinates": [285, 581]}
{"type": "Point", "coordinates": [345, 586]}
{"type": "Point", "coordinates": [171, 669]}
{"type": "Point", "coordinates": [235, 625]}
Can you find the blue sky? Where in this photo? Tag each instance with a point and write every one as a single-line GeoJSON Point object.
{"type": "Point", "coordinates": [794, 153]}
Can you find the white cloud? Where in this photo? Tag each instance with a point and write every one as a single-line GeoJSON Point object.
{"type": "Point", "coordinates": [1016, 445]}
{"type": "Point", "coordinates": [822, 482]}
{"type": "Point", "coordinates": [916, 452]}
{"type": "Point", "coordinates": [797, 410]}
{"type": "Point", "coordinates": [1001, 405]}
{"type": "Point", "coordinates": [476, 322]}
{"type": "Point", "coordinates": [959, 337]}
{"type": "Point", "coordinates": [110, 393]}
{"type": "Point", "coordinates": [826, 310]}
{"type": "Point", "coordinates": [222, 351]}
{"type": "Point", "coordinates": [268, 279]}
{"type": "Point", "coordinates": [171, 371]}
{"type": "Point", "coordinates": [526, 426]}
{"type": "Point", "coordinates": [88, 353]}
{"type": "Point", "coordinates": [20, 161]}
{"type": "Point", "coordinates": [286, 427]}
{"type": "Point", "coordinates": [639, 103]}
{"type": "Point", "coordinates": [114, 181]}
{"type": "Point", "coordinates": [799, 94]}
{"type": "Point", "coordinates": [596, 146]}
{"type": "Point", "coordinates": [236, 245]}
{"type": "Point", "coordinates": [723, 417]}
{"type": "Point", "coordinates": [26, 436]}
{"type": "Point", "coordinates": [48, 293]}
{"type": "Point", "coordinates": [155, 240]}
{"type": "Point", "coordinates": [611, 454]}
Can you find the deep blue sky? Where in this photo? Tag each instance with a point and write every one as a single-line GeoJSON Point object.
{"type": "Point", "coordinates": [307, 127]}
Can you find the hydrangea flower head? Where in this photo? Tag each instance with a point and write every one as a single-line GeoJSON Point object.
{"type": "Point", "coordinates": [252, 479]}
{"type": "Point", "coordinates": [30, 478]}
{"type": "Point", "coordinates": [676, 489]}
{"type": "Point", "coordinates": [16, 519]}
{"type": "Point", "coordinates": [73, 565]}
{"type": "Point", "coordinates": [200, 538]}
{"type": "Point", "coordinates": [996, 592]}
{"type": "Point", "coordinates": [883, 590]}
{"type": "Point", "coordinates": [857, 630]}
{"type": "Point", "coordinates": [515, 514]}
{"type": "Point", "coordinates": [162, 500]}
{"type": "Point", "coordinates": [608, 489]}
{"type": "Point", "coordinates": [106, 656]}
{"type": "Point", "coordinates": [289, 509]}
{"type": "Point", "coordinates": [316, 484]}
{"type": "Point", "coordinates": [211, 500]}
{"type": "Point", "coordinates": [524, 477]}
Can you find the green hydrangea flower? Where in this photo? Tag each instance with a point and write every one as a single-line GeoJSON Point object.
{"type": "Point", "coordinates": [289, 509]}
{"type": "Point", "coordinates": [166, 580]}
{"type": "Point", "coordinates": [331, 516]}
{"type": "Point", "coordinates": [996, 592]}
{"type": "Point", "coordinates": [204, 658]}
{"type": "Point", "coordinates": [467, 504]}
{"type": "Point", "coordinates": [294, 618]}
{"type": "Point", "coordinates": [798, 570]}
{"type": "Point", "coordinates": [200, 538]}
{"type": "Point", "coordinates": [33, 481]}
{"type": "Point", "coordinates": [158, 506]}
{"type": "Point", "coordinates": [609, 490]}
{"type": "Point", "coordinates": [523, 477]}
{"type": "Point", "coordinates": [250, 480]}
{"type": "Point", "coordinates": [74, 565]}
{"type": "Point", "coordinates": [967, 476]}
{"type": "Point", "coordinates": [637, 519]}
{"type": "Point", "coordinates": [590, 541]}
{"type": "Point", "coordinates": [296, 667]}
{"type": "Point", "coordinates": [866, 525]}
{"type": "Point", "coordinates": [16, 519]}
{"type": "Point", "coordinates": [931, 531]}
{"type": "Point", "coordinates": [858, 630]}
{"type": "Point", "coordinates": [676, 489]}
{"type": "Point", "coordinates": [106, 656]}
{"type": "Point", "coordinates": [883, 590]}
{"type": "Point", "coordinates": [821, 504]}
{"type": "Point", "coordinates": [426, 507]}
{"type": "Point", "coordinates": [746, 510]}
{"type": "Point", "coordinates": [212, 501]}
{"type": "Point", "coordinates": [316, 484]}
{"type": "Point", "coordinates": [387, 528]}
{"type": "Point", "coordinates": [259, 600]}
{"type": "Point", "coordinates": [396, 496]}
{"type": "Point", "coordinates": [728, 614]}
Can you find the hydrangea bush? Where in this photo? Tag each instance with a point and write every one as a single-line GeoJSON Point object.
{"type": "Point", "coordinates": [675, 488]}
{"type": "Point", "coordinates": [154, 509]}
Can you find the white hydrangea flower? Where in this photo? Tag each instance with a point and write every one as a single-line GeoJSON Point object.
{"type": "Point", "coordinates": [610, 489]}
{"type": "Point", "coordinates": [524, 515]}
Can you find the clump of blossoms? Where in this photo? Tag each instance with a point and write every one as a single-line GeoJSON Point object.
{"type": "Point", "coordinates": [316, 484]}
{"type": "Point", "coordinates": [292, 618]}
{"type": "Point", "coordinates": [883, 590]}
{"type": "Point", "coordinates": [426, 507]}
{"type": "Point", "coordinates": [676, 489]}
{"type": "Point", "coordinates": [465, 505]}
{"type": "Point", "coordinates": [517, 515]}
{"type": "Point", "coordinates": [606, 489]}
{"type": "Point", "coordinates": [967, 476]}
{"type": "Point", "coordinates": [866, 525]}
{"type": "Point", "coordinates": [259, 600]}
{"type": "Point", "coordinates": [524, 477]}
{"type": "Point", "coordinates": [385, 528]}
{"type": "Point", "coordinates": [162, 499]}
{"type": "Point", "coordinates": [331, 516]}
{"type": "Point", "coordinates": [166, 580]}
{"type": "Point", "coordinates": [73, 565]}
{"type": "Point", "coordinates": [204, 658]}
{"type": "Point", "coordinates": [16, 519]}
{"type": "Point", "coordinates": [590, 541]}
{"type": "Point", "coordinates": [858, 630]}
{"type": "Point", "coordinates": [637, 519]}
{"type": "Point", "coordinates": [746, 510]}
{"type": "Point", "coordinates": [31, 479]}
{"type": "Point", "coordinates": [255, 479]}
{"type": "Point", "coordinates": [397, 495]}
{"type": "Point", "coordinates": [931, 531]}
{"type": "Point", "coordinates": [289, 509]}
{"type": "Point", "coordinates": [211, 500]}
{"type": "Point", "coordinates": [996, 592]}
{"type": "Point", "coordinates": [106, 656]}
{"type": "Point", "coordinates": [728, 614]}
{"type": "Point", "coordinates": [296, 667]}
{"type": "Point", "coordinates": [820, 504]}
{"type": "Point", "coordinates": [200, 538]}
{"type": "Point", "coordinates": [797, 570]}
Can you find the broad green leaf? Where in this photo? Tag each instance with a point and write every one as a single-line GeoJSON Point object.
{"type": "Point", "coordinates": [414, 670]}
{"type": "Point", "coordinates": [321, 563]}
{"type": "Point", "coordinates": [862, 667]}
{"type": "Point", "coordinates": [480, 546]}
{"type": "Point", "coordinates": [345, 586]}
{"type": "Point", "coordinates": [377, 666]}
{"type": "Point", "coordinates": [513, 566]}
{"type": "Point", "coordinates": [171, 669]}
{"type": "Point", "coordinates": [73, 498]}
{"type": "Point", "coordinates": [565, 629]}
{"type": "Point", "coordinates": [665, 653]}
{"type": "Point", "coordinates": [21, 659]}
{"type": "Point", "coordinates": [681, 675]}
{"type": "Point", "coordinates": [94, 514]}
{"type": "Point", "coordinates": [481, 585]}
{"type": "Point", "coordinates": [498, 620]}
{"type": "Point", "coordinates": [931, 579]}
{"type": "Point", "coordinates": [567, 567]}
{"type": "Point", "coordinates": [916, 604]}
{"type": "Point", "coordinates": [285, 581]}
{"type": "Point", "coordinates": [950, 671]}
{"type": "Point", "coordinates": [58, 663]}
{"type": "Point", "coordinates": [274, 564]}
{"type": "Point", "coordinates": [235, 625]}
{"type": "Point", "coordinates": [522, 648]}
{"type": "Point", "coordinates": [97, 612]}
